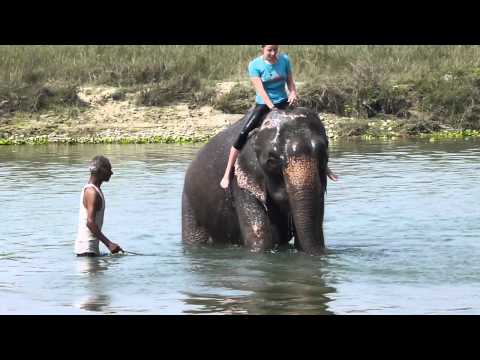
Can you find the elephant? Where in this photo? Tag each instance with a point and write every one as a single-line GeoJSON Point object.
{"type": "Point", "coordinates": [277, 190]}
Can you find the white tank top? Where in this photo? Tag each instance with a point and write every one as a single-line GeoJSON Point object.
{"type": "Point", "coordinates": [86, 241]}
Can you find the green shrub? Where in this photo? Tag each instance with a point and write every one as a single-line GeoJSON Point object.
{"type": "Point", "coordinates": [358, 81]}
{"type": "Point", "coordinates": [34, 98]}
{"type": "Point", "coordinates": [237, 101]}
{"type": "Point", "coordinates": [180, 89]}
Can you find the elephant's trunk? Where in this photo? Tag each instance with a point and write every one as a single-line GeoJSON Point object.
{"type": "Point", "coordinates": [306, 198]}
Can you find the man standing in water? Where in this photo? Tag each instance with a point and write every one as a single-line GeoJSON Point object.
{"type": "Point", "coordinates": [92, 209]}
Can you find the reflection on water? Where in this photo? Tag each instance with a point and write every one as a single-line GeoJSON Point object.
{"type": "Point", "coordinates": [94, 270]}
{"type": "Point", "coordinates": [241, 282]}
{"type": "Point", "coordinates": [401, 226]}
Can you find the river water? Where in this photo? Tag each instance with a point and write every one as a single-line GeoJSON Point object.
{"type": "Point", "coordinates": [402, 226]}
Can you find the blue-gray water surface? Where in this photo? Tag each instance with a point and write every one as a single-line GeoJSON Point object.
{"type": "Point", "coordinates": [401, 225]}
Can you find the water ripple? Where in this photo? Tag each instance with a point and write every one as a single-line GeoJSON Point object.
{"type": "Point", "coordinates": [401, 226]}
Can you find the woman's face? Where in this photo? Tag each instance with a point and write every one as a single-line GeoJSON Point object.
{"type": "Point", "coordinates": [270, 52]}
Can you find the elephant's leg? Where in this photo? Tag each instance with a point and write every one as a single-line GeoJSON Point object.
{"type": "Point", "coordinates": [254, 222]}
{"type": "Point", "coordinates": [192, 233]}
{"type": "Point", "coordinates": [280, 224]}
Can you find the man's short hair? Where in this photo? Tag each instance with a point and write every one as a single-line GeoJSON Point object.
{"type": "Point", "coordinates": [99, 162]}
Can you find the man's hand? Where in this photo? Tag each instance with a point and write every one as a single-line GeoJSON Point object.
{"type": "Point", "coordinates": [114, 248]}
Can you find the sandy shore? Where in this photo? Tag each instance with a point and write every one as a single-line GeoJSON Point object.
{"type": "Point", "coordinates": [109, 120]}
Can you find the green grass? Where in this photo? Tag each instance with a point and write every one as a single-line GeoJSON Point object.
{"type": "Point", "coordinates": [366, 133]}
{"type": "Point", "coordinates": [36, 140]}
{"type": "Point", "coordinates": [127, 65]}
{"type": "Point", "coordinates": [360, 81]}
{"type": "Point", "coordinates": [237, 101]}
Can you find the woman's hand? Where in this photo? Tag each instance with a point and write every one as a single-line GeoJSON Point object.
{"type": "Point", "coordinates": [292, 98]}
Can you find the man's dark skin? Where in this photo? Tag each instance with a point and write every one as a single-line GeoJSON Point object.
{"type": "Point", "coordinates": [93, 203]}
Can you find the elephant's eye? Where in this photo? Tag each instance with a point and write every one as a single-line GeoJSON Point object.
{"type": "Point", "coordinates": [274, 161]}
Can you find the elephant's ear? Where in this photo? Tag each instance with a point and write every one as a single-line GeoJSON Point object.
{"type": "Point", "coordinates": [323, 165]}
{"type": "Point", "coordinates": [247, 182]}
{"type": "Point", "coordinates": [323, 179]}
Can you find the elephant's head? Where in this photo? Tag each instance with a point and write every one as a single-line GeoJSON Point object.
{"type": "Point", "coordinates": [292, 150]}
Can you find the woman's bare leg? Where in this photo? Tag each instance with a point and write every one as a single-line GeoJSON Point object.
{"type": "Point", "coordinates": [231, 161]}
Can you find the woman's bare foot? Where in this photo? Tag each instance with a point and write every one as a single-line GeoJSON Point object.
{"type": "Point", "coordinates": [225, 182]}
{"type": "Point", "coordinates": [232, 157]}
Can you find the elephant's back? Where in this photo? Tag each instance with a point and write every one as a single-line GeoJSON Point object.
{"type": "Point", "coordinates": [212, 158]}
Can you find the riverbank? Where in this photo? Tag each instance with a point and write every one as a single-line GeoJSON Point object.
{"type": "Point", "coordinates": [105, 117]}
{"type": "Point", "coordinates": [186, 93]}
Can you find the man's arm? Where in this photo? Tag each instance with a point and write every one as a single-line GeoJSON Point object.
{"type": "Point", "coordinates": [91, 203]}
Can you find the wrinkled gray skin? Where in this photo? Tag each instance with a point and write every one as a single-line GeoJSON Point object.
{"type": "Point", "coordinates": [280, 174]}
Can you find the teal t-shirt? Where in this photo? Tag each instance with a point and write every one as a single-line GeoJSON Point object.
{"type": "Point", "coordinates": [274, 77]}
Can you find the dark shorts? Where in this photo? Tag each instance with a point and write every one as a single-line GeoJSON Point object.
{"type": "Point", "coordinates": [87, 255]}
{"type": "Point", "coordinates": [254, 121]}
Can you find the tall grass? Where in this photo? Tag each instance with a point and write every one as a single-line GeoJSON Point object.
{"type": "Point", "coordinates": [354, 80]}
{"type": "Point", "coordinates": [122, 65]}
{"type": "Point", "coordinates": [140, 64]}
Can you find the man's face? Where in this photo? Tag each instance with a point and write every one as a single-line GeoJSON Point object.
{"type": "Point", "coordinates": [107, 172]}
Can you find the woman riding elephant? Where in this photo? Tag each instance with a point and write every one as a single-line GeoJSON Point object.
{"type": "Point", "coordinates": [269, 74]}
{"type": "Point", "coordinates": [278, 189]}
{"type": "Point", "coordinates": [277, 192]}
